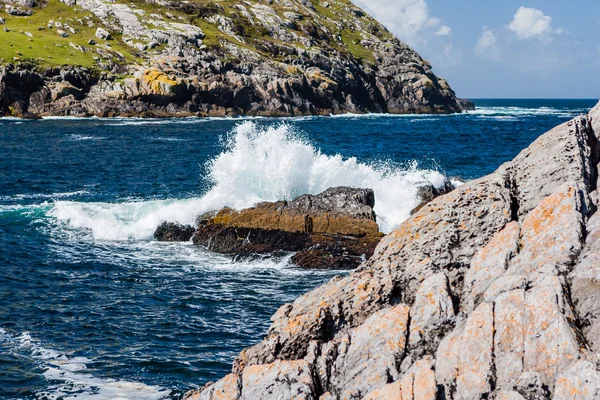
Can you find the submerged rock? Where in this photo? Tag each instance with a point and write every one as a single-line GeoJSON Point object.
{"type": "Point", "coordinates": [489, 291]}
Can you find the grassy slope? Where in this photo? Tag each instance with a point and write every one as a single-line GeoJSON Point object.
{"type": "Point", "coordinates": [47, 48]}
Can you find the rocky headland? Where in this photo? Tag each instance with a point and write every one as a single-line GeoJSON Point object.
{"type": "Point", "coordinates": [148, 58]}
{"type": "Point", "coordinates": [490, 291]}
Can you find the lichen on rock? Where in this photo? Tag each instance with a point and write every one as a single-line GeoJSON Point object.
{"type": "Point", "coordinates": [335, 229]}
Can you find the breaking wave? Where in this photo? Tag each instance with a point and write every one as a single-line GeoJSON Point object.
{"type": "Point", "coordinates": [46, 196]}
{"type": "Point", "coordinates": [508, 113]}
{"type": "Point", "coordinates": [258, 164]}
{"type": "Point", "coordinates": [79, 138]}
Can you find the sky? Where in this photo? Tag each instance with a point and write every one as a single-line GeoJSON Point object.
{"type": "Point", "coordinates": [502, 48]}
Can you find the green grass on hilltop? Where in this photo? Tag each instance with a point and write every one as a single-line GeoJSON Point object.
{"type": "Point", "coordinates": [329, 27]}
{"type": "Point", "coordinates": [351, 40]}
{"type": "Point", "coordinates": [47, 48]}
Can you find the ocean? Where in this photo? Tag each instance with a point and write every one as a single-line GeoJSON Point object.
{"type": "Point", "coordinates": [91, 307]}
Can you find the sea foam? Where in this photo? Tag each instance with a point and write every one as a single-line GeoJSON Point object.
{"type": "Point", "coordinates": [69, 375]}
{"type": "Point", "coordinates": [257, 164]}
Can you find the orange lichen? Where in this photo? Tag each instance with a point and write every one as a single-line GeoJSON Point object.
{"type": "Point", "coordinates": [158, 82]}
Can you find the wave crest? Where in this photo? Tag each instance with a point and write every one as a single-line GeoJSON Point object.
{"type": "Point", "coordinates": [259, 164]}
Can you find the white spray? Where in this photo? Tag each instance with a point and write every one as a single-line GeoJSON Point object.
{"type": "Point", "coordinates": [258, 164]}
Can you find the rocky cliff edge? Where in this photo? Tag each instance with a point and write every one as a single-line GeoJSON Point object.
{"type": "Point", "coordinates": [490, 291]}
{"type": "Point", "coordinates": [149, 58]}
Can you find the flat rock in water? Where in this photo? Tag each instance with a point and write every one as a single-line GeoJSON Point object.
{"type": "Point", "coordinates": [335, 229]}
{"type": "Point", "coordinates": [490, 291]}
{"type": "Point", "coordinates": [336, 211]}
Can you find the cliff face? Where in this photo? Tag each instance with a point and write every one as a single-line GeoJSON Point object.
{"type": "Point", "coordinates": [158, 58]}
{"type": "Point", "coordinates": [490, 291]}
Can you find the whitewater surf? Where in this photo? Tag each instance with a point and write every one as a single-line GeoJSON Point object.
{"type": "Point", "coordinates": [258, 164]}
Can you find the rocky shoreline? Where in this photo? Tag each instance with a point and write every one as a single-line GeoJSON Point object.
{"type": "Point", "coordinates": [489, 291]}
{"type": "Point", "coordinates": [173, 59]}
{"type": "Point", "coordinates": [153, 93]}
{"type": "Point", "coordinates": [335, 229]}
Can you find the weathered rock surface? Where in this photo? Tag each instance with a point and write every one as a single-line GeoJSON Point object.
{"type": "Point", "coordinates": [201, 58]}
{"type": "Point", "coordinates": [103, 34]}
{"type": "Point", "coordinates": [335, 229]}
{"type": "Point", "coordinates": [336, 211]}
{"type": "Point", "coordinates": [490, 291]}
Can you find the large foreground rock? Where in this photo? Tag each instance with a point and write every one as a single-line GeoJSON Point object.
{"type": "Point", "coordinates": [490, 291]}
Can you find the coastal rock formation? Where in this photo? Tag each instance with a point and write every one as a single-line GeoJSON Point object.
{"type": "Point", "coordinates": [203, 58]}
{"type": "Point", "coordinates": [334, 229]}
{"type": "Point", "coordinates": [172, 232]}
{"type": "Point", "coordinates": [489, 291]}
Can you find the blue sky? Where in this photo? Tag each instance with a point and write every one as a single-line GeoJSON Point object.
{"type": "Point", "coordinates": [503, 48]}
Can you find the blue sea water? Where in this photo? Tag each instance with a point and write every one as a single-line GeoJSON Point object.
{"type": "Point", "coordinates": [92, 307]}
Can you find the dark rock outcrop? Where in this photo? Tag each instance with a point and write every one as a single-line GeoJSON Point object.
{"type": "Point", "coordinates": [335, 251]}
{"type": "Point", "coordinates": [16, 87]}
{"type": "Point", "coordinates": [489, 291]}
{"type": "Point", "coordinates": [334, 229]}
{"type": "Point", "coordinates": [172, 232]}
{"type": "Point", "coordinates": [429, 192]}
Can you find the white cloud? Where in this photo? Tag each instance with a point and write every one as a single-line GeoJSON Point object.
{"type": "Point", "coordinates": [532, 23]}
{"type": "Point", "coordinates": [410, 20]}
{"type": "Point", "coordinates": [444, 31]}
{"type": "Point", "coordinates": [433, 21]}
{"type": "Point", "coordinates": [487, 45]}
